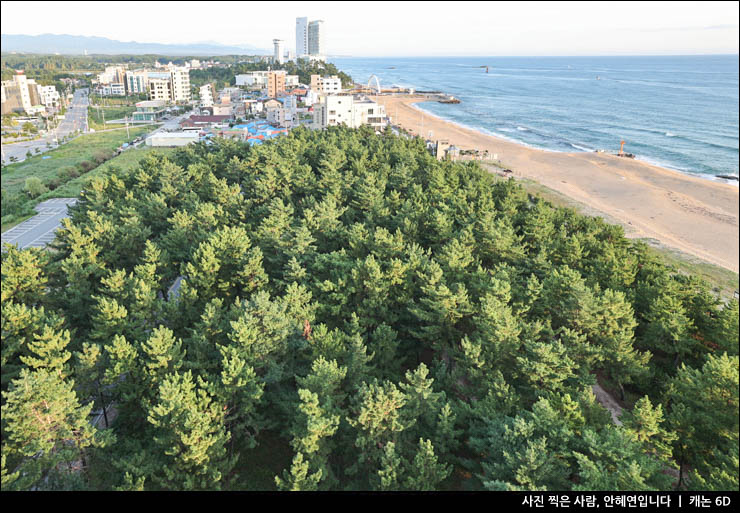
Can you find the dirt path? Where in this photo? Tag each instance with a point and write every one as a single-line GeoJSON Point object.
{"type": "Point", "coordinates": [608, 402]}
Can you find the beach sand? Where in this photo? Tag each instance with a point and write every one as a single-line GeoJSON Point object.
{"type": "Point", "coordinates": [694, 215]}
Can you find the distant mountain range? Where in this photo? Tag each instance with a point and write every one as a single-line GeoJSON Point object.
{"type": "Point", "coordinates": [77, 45]}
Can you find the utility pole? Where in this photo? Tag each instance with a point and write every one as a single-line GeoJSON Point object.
{"type": "Point", "coordinates": [128, 135]}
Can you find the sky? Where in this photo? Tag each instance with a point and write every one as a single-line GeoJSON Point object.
{"type": "Point", "coordinates": [403, 28]}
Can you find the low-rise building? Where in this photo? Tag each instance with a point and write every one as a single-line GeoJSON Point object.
{"type": "Point", "coordinates": [255, 79]}
{"type": "Point", "coordinates": [149, 110]}
{"type": "Point", "coordinates": [204, 121]}
{"type": "Point", "coordinates": [172, 138]}
{"type": "Point", "coordinates": [291, 80]}
{"type": "Point", "coordinates": [111, 90]}
{"type": "Point", "coordinates": [206, 95]}
{"type": "Point", "coordinates": [222, 109]}
{"type": "Point", "coordinates": [326, 85]}
{"type": "Point", "coordinates": [334, 110]}
{"type": "Point", "coordinates": [49, 96]}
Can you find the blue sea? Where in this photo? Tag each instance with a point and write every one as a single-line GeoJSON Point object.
{"type": "Point", "coordinates": [679, 112]}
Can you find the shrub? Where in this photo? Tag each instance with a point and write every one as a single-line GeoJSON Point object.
{"type": "Point", "coordinates": [101, 156]}
{"type": "Point", "coordinates": [69, 172]}
{"type": "Point", "coordinates": [34, 187]}
{"type": "Point", "coordinates": [86, 166]}
{"type": "Point", "coordinates": [54, 183]}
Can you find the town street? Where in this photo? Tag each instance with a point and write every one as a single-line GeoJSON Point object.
{"type": "Point", "coordinates": [74, 119]}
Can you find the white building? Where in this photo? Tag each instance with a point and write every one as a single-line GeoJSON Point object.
{"type": "Point", "coordinates": [278, 45]}
{"type": "Point", "coordinates": [49, 96]}
{"type": "Point", "coordinates": [301, 37]}
{"type": "Point", "coordinates": [316, 39]}
{"type": "Point", "coordinates": [334, 110]}
{"type": "Point", "coordinates": [21, 82]}
{"type": "Point", "coordinates": [111, 90]}
{"type": "Point", "coordinates": [326, 85]}
{"type": "Point", "coordinates": [160, 89]}
{"type": "Point", "coordinates": [331, 85]}
{"type": "Point", "coordinates": [256, 79]}
{"type": "Point", "coordinates": [172, 138]}
{"type": "Point", "coordinates": [206, 96]}
{"type": "Point", "coordinates": [180, 77]}
{"type": "Point", "coordinates": [291, 80]}
{"type": "Point", "coordinates": [136, 82]}
{"type": "Point", "coordinates": [112, 75]}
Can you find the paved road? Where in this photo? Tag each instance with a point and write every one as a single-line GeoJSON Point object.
{"type": "Point", "coordinates": [74, 119]}
{"type": "Point", "coordinates": [40, 230]}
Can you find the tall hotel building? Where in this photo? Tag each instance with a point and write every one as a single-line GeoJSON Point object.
{"type": "Point", "coordinates": [301, 37]}
{"type": "Point", "coordinates": [309, 39]}
{"type": "Point", "coordinates": [316, 45]}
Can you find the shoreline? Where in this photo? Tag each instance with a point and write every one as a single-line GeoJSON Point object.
{"type": "Point", "coordinates": [695, 215]}
{"type": "Point", "coordinates": [702, 176]}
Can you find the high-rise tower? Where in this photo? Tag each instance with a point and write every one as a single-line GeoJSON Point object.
{"type": "Point", "coordinates": [316, 34]}
{"type": "Point", "coordinates": [278, 57]}
{"type": "Point", "coordinates": [301, 37]}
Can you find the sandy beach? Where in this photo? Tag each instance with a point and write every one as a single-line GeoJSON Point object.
{"type": "Point", "coordinates": [694, 215]}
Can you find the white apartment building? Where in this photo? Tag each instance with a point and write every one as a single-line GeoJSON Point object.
{"type": "Point", "coordinates": [160, 89]}
{"type": "Point", "coordinates": [253, 79]}
{"type": "Point", "coordinates": [111, 90]}
{"type": "Point", "coordinates": [112, 75]}
{"type": "Point", "coordinates": [206, 96]}
{"type": "Point", "coordinates": [334, 110]}
{"type": "Point", "coordinates": [291, 80]}
{"type": "Point", "coordinates": [326, 85]}
{"type": "Point", "coordinates": [180, 77]}
{"type": "Point", "coordinates": [331, 85]}
{"type": "Point", "coordinates": [278, 45]}
{"type": "Point", "coordinates": [136, 81]}
{"type": "Point", "coordinates": [22, 83]}
{"type": "Point", "coordinates": [49, 96]}
{"type": "Point", "coordinates": [301, 37]}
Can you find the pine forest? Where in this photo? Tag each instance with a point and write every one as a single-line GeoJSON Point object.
{"type": "Point", "coordinates": [338, 310]}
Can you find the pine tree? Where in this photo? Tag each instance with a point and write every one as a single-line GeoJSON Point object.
{"type": "Point", "coordinates": [703, 411]}
{"type": "Point", "coordinates": [45, 426]}
{"type": "Point", "coordinates": [299, 479]}
{"type": "Point", "coordinates": [190, 436]}
{"type": "Point", "coordinates": [425, 473]}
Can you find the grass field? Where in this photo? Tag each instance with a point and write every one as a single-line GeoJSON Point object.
{"type": "Point", "coordinates": [53, 171]}
{"type": "Point", "coordinates": [123, 162]}
{"type": "Point", "coordinates": [95, 116]}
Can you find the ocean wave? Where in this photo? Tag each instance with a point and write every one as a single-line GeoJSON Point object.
{"type": "Point", "coordinates": [583, 148]}
{"type": "Point", "coordinates": [522, 129]}
{"type": "Point", "coordinates": [670, 134]}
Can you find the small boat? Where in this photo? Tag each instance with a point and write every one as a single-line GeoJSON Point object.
{"type": "Point", "coordinates": [391, 67]}
{"type": "Point", "coordinates": [598, 77]}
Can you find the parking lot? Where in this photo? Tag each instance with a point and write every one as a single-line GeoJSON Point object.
{"type": "Point", "coordinates": [40, 230]}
